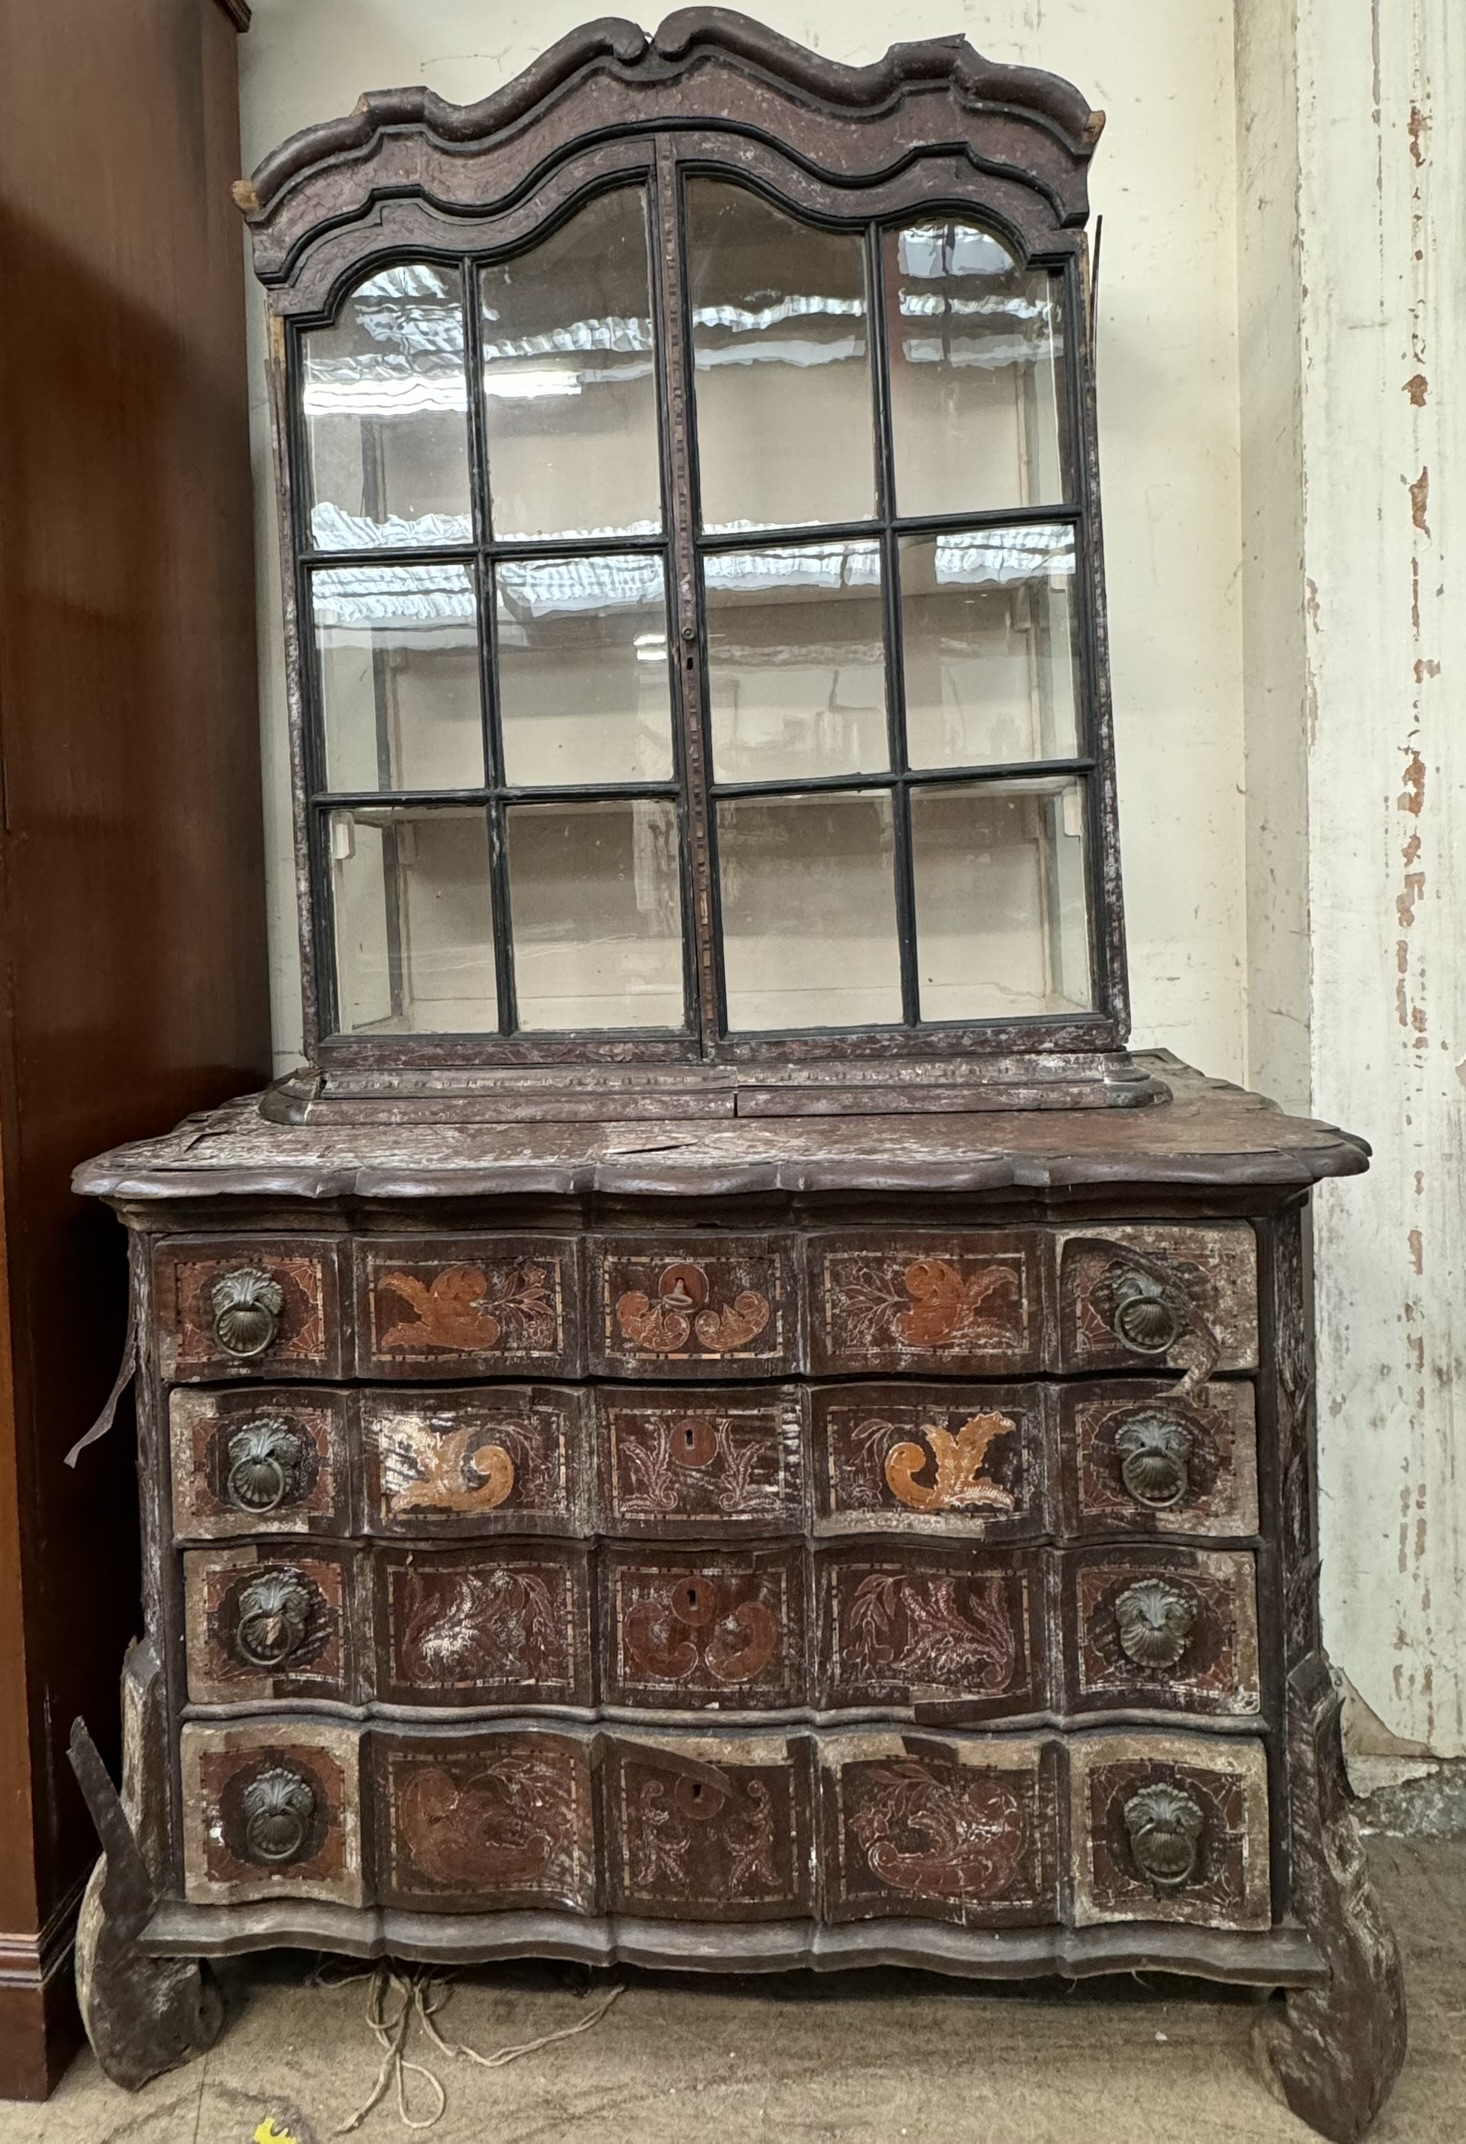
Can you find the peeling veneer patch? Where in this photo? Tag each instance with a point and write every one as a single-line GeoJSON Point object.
{"type": "Point", "coordinates": [1420, 501]}
{"type": "Point", "coordinates": [1413, 797]}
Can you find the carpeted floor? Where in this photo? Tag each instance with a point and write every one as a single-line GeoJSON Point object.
{"type": "Point", "coordinates": [874, 2056]}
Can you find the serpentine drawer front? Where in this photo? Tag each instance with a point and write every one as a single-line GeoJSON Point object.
{"type": "Point", "coordinates": [867, 1824]}
{"type": "Point", "coordinates": [999, 1303]}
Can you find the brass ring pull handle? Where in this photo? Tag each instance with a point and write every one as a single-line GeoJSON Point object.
{"type": "Point", "coordinates": [1165, 1826]}
{"type": "Point", "coordinates": [274, 1619]}
{"type": "Point", "coordinates": [1155, 1460]}
{"type": "Point", "coordinates": [247, 1305]}
{"type": "Point", "coordinates": [1153, 1622]}
{"type": "Point", "coordinates": [279, 1809]}
{"type": "Point", "coordinates": [266, 1465]}
{"type": "Point", "coordinates": [1151, 1312]}
{"type": "Point", "coordinates": [1145, 1317]}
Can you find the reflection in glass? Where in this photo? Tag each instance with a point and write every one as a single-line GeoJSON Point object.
{"type": "Point", "coordinates": [414, 922]}
{"type": "Point", "coordinates": [596, 901]}
{"type": "Point", "coordinates": [785, 433]}
{"type": "Point", "coordinates": [988, 642]}
{"type": "Point", "coordinates": [584, 688]}
{"type": "Point", "coordinates": [1001, 917]}
{"type": "Point", "coordinates": [385, 400]}
{"type": "Point", "coordinates": [569, 374]}
{"type": "Point", "coordinates": [976, 351]}
{"type": "Point", "coordinates": [398, 649]}
{"type": "Point", "coordinates": [809, 911]}
{"type": "Point", "coordinates": [796, 661]}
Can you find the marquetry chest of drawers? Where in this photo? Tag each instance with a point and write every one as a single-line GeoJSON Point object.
{"type": "Point", "coordinates": [760, 1545]}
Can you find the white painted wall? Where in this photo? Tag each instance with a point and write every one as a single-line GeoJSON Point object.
{"type": "Point", "coordinates": [1291, 762]}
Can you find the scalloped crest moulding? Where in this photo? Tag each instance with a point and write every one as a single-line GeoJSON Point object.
{"type": "Point", "coordinates": [931, 125]}
{"type": "Point", "coordinates": [1017, 123]}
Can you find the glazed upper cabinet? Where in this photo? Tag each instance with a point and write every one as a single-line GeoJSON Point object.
{"type": "Point", "coordinates": [694, 557]}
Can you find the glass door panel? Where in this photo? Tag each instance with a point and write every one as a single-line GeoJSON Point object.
{"type": "Point", "coordinates": [399, 668]}
{"type": "Point", "coordinates": [987, 628]}
{"type": "Point", "coordinates": [570, 379]}
{"type": "Point", "coordinates": [809, 911]}
{"type": "Point", "coordinates": [976, 353]}
{"type": "Point", "coordinates": [1002, 927]}
{"type": "Point", "coordinates": [414, 922]}
{"type": "Point", "coordinates": [781, 345]}
{"type": "Point", "coordinates": [384, 397]}
{"type": "Point", "coordinates": [796, 661]}
{"type": "Point", "coordinates": [595, 893]}
{"type": "Point", "coordinates": [584, 687]}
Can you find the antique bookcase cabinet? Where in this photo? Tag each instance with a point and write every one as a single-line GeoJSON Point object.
{"type": "Point", "coordinates": [722, 1420]}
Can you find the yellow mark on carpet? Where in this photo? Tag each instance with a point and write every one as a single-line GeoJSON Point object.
{"type": "Point", "coordinates": [267, 2133]}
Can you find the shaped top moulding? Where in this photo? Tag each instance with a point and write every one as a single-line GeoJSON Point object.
{"type": "Point", "coordinates": [704, 67]}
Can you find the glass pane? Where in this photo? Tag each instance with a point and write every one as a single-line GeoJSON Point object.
{"type": "Point", "coordinates": [796, 661]}
{"type": "Point", "coordinates": [386, 415]}
{"type": "Point", "coordinates": [584, 689]}
{"type": "Point", "coordinates": [1001, 926]}
{"type": "Point", "coordinates": [398, 648]}
{"type": "Point", "coordinates": [987, 628]}
{"type": "Point", "coordinates": [414, 922]}
{"type": "Point", "coordinates": [809, 911]}
{"type": "Point", "coordinates": [570, 382]}
{"type": "Point", "coordinates": [785, 434]}
{"type": "Point", "coordinates": [976, 348]}
{"type": "Point", "coordinates": [596, 896]}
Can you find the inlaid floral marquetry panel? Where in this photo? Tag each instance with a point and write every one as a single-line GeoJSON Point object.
{"type": "Point", "coordinates": [449, 1305]}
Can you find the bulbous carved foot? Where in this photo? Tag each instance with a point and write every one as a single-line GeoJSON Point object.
{"type": "Point", "coordinates": [142, 2015]}
{"type": "Point", "coordinates": [1333, 2052]}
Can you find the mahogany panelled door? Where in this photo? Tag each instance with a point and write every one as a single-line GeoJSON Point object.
{"type": "Point", "coordinates": [689, 1434]}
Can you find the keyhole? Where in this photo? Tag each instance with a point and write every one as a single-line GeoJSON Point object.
{"type": "Point", "coordinates": [697, 1790]}
{"type": "Point", "coordinates": [689, 1437]}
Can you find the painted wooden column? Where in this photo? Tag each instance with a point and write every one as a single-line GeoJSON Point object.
{"type": "Point", "coordinates": [1352, 194]}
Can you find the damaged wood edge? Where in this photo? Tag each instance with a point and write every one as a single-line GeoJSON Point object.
{"type": "Point", "coordinates": [1334, 2052]}
{"type": "Point", "coordinates": [142, 2015]}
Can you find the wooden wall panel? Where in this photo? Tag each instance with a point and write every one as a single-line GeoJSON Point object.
{"type": "Point", "coordinates": [132, 970]}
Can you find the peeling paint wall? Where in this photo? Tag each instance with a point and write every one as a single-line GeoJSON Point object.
{"type": "Point", "coordinates": [1382, 209]}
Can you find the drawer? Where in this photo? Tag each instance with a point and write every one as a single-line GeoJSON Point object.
{"type": "Point", "coordinates": [442, 1306]}
{"type": "Point", "coordinates": [1147, 1296]}
{"type": "Point", "coordinates": [490, 1823]}
{"type": "Point", "coordinates": [264, 1625]}
{"type": "Point", "coordinates": [1160, 1628]}
{"type": "Point", "coordinates": [703, 1629]}
{"type": "Point", "coordinates": [507, 1625]}
{"type": "Point", "coordinates": [700, 1461]}
{"type": "Point", "coordinates": [693, 1307]}
{"type": "Point", "coordinates": [945, 1459]}
{"type": "Point", "coordinates": [237, 1306]}
{"type": "Point", "coordinates": [709, 1829]}
{"type": "Point", "coordinates": [1137, 1459]}
{"type": "Point", "coordinates": [940, 1829]}
{"type": "Point", "coordinates": [1169, 1828]}
{"type": "Point", "coordinates": [262, 1459]}
{"type": "Point", "coordinates": [475, 1460]}
{"type": "Point", "coordinates": [271, 1809]}
{"type": "Point", "coordinates": [964, 1303]}
{"type": "Point", "coordinates": [939, 1632]}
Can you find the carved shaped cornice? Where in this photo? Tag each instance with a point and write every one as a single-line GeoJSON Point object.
{"type": "Point", "coordinates": [704, 68]}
